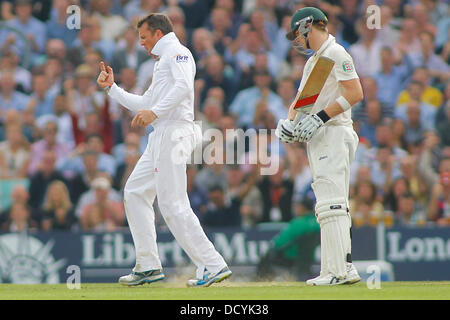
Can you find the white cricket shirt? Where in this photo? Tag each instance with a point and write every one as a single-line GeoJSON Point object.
{"type": "Point", "coordinates": [171, 93]}
{"type": "Point", "coordinates": [343, 69]}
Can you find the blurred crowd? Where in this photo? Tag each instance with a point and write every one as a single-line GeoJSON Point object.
{"type": "Point", "coordinates": [66, 149]}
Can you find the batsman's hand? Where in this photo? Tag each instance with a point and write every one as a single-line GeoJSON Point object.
{"type": "Point", "coordinates": [307, 127]}
{"type": "Point", "coordinates": [285, 131]}
{"type": "Point", "coordinates": [143, 118]}
{"type": "Point", "coordinates": [106, 76]}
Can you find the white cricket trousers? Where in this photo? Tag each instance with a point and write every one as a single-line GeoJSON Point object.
{"type": "Point", "coordinates": [161, 172]}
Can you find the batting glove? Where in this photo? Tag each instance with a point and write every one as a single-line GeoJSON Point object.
{"type": "Point", "coordinates": [285, 131]}
{"type": "Point", "coordinates": [309, 125]}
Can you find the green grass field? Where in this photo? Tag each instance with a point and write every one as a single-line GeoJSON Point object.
{"type": "Point", "coordinates": [229, 291]}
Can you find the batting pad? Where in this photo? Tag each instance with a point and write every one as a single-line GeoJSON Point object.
{"type": "Point", "coordinates": [335, 243]}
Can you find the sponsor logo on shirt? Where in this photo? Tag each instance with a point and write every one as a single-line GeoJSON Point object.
{"type": "Point", "coordinates": [181, 58]}
{"type": "Point", "coordinates": [347, 66]}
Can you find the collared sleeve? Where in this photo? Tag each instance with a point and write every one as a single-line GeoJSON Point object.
{"type": "Point", "coordinates": [132, 102]}
{"type": "Point", "coordinates": [182, 70]}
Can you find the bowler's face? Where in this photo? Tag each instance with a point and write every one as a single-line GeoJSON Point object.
{"type": "Point", "coordinates": [147, 38]}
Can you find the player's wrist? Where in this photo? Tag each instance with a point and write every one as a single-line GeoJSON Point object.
{"type": "Point", "coordinates": [323, 116]}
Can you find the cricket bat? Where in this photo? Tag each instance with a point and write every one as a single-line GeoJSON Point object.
{"type": "Point", "coordinates": [314, 84]}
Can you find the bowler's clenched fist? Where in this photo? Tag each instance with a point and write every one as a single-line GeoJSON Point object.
{"type": "Point", "coordinates": [143, 118]}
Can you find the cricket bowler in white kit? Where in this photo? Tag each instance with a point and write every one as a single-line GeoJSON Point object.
{"type": "Point", "coordinates": [331, 141]}
{"type": "Point", "coordinates": [168, 105]}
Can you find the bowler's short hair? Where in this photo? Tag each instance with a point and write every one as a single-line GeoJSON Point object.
{"type": "Point", "coordinates": [156, 21]}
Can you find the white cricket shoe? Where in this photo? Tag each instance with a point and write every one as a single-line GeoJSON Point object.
{"type": "Point", "coordinates": [138, 278]}
{"type": "Point", "coordinates": [209, 278]}
{"type": "Point", "coordinates": [330, 280]}
{"type": "Point", "coordinates": [352, 274]}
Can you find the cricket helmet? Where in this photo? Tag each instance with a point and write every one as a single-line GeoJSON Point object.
{"type": "Point", "coordinates": [303, 19]}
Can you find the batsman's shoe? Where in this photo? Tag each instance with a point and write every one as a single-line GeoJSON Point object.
{"type": "Point", "coordinates": [327, 280]}
{"type": "Point", "coordinates": [138, 278]}
{"type": "Point", "coordinates": [209, 278]}
{"type": "Point", "coordinates": [311, 282]}
{"type": "Point", "coordinates": [352, 274]}
{"type": "Point", "coordinates": [330, 280]}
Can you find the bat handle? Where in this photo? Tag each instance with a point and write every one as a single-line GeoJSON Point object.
{"type": "Point", "coordinates": [297, 118]}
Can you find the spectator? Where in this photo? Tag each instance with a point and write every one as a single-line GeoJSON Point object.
{"type": "Point", "coordinates": [278, 190]}
{"type": "Point", "coordinates": [384, 168]}
{"type": "Point", "coordinates": [349, 18]}
{"type": "Point", "coordinates": [223, 213]}
{"type": "Point", "coordinates": [138, 8]}
{"type": "Point", "coordinates": [234, 15]}
{"type": "Point", "coordinates": [221, 28]}
{"type": "Point", "coordinates": [365, 207]}
{"type": "Point", "coordinates": [21, 196]}
{"type": "Point", "coordinates": [9, 97]}
{"type": "Point", "coordinates": [390, 79]}
{"type": "Point", "coordinates": [415, 127]}
{"type": "Point", "coordinates": [132, 141]}
{"type": "Point", "coordinates": [421, 14]}
{"type": "Point", "coordinates": [45, 174]}
{"type": "Point", "coordinates": [287, 91]}
{"type": "Point", "coordinates": [245, 48]}
{"type": "Point", "coordinates": [19, 219]}
{"type": "Point", "coordinates": [416, 184]}
{"type": "Point", "coordinates": [398, 187]}
{"type": "Point", "coordinates": [63, 121]}
{"type": "Point", "coordinates": [409, 213]}
{"type": "Point", "coordinates": [80, 182]}
{"type": "Point", "coordinates": [202, 46]}
{"type": "Point", "coordinates": [366, 52]}
{"type": "Point", "coordinates": [89, 38]}
{"type": "Point", "coordinates": [211, 115]}
{"type": "Point", "coordinates": [244, 104]}
{"type": "Point", "coordinates": [370, 89]}
{"type": "Point", "coordinates": [48, 142]}
{"type": "Point", "coordinates": [14, 154]}
{"type": "Point", "coordinates": [427, 116]}
{"type": "Point", "coordinates": [112, 25]}
{"type": "Point", "coordinates": [124, 169]}
{"type": "Point", "coordinates": [215, 76]}
{"type": "Point", "coordinates": [408, 41]}
{"type": "Point", "coordinates": [57, 24]}
{"type": "Point", "coordinates": [251, 205]}
{"type": "Point", "coordinates": [22, 77]}
{"type": "Point", "coordinates": [57, 210]}
{"type": "Point", "coordinates": [439, 204]}
{"type": "Point", "coordinates": [127, 53]}
{"type": "Point", "coordinates": [195, 13]}
{"type": "Point", "coordinates": [74, 164]}
{"type": "Point", "coordinates": [429, 94]}
{"type": "Point", "coordinates": [212, 174]}
{"type": "Point", "coordinates": [438, 69]}
{"type": "Point", "coordinates": [33, 29]}
{"type": "Point", "coordinates": [41, 100]}
{"type": "Point", "coordinates": [368, 127]}
{"type": "Point", "coordinates": [102, 214]}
